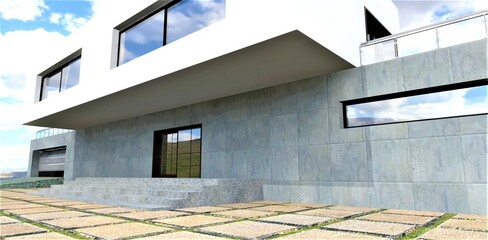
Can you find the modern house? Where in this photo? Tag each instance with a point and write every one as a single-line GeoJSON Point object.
{"type": "Point", "coordinates": [318, 101]}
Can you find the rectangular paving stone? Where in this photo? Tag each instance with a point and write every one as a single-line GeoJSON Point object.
{"type": "Point", "coordinates": [89, 206]}
{"type": "Point", "coordinates": [50, 200]}
{"type": "Point", "coordinates": [280, 208]}
{"type": "Point", "coordinates": [42, 236]}
{"type": "Point", "coordinates": [68, 203]}
{"type": "Point", "coordinates": [55, 215]}
{"type": "Point", "coordinates": [354, 209]}
{"type": "Point", "coordinates": [149, 215]}
{"type": "Point", "coordinates": [330, 235]}
{"type": "Point", "coordinates": [124, 230]}
{"type": "Point", "coordinates": [268, 202]}
{"type": "Point", "coordinates": [7, 220]}
{"type": "Point", "coordinates": [413, 212]}
{"type": "Point", "coordinates": [244, 213]}
{"type": "Point", "coordinates": [34, 210]}
{"type": "Point", "coordinates": [398, 218]}
{"type": "Point", "coordinates": [446, 233]}
{"type": "Point", "coordinates": [194, 220]}
{"type": "Point", "coordinates": [296, 220]}
{"type": "Point", "coordinates": [471, 217]}
{"type": "Point", "coordinates": [242, 205]}
{"type": "Point", "coordinates": [20, 206]}
{"type": "Point", "coordinates": [90, 221]}
{"type": "Point", "coordinates": [182, 235]}
{"type": "Point", "coordinates": [205, 209]}
{"type": "Point", "coordinates": [112, 210]}
{"type": "Point", "coordinates": [15, 229]}
{"type": "Point", "coordinates": [323, 212]}
{"type": "Point", "coordinates": [466, 224]}
{"type": "Point", "coordinates": [307, 205]}
{"type": "Point", "coordinates": [392, 230]}
{"type": "Point", "coordinates": [248, 229]}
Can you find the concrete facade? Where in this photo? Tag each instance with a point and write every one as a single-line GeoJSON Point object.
{"type": "Point", "coordinates": [291, 137]}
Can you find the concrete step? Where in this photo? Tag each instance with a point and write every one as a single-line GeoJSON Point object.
{"type": "Point", "coordinates": [123, 190]}
{"type": "Point", "coordinates": [142, 181]}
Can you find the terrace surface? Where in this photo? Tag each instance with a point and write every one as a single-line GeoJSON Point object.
{"type": "Point", "coordinates": [27, 216]}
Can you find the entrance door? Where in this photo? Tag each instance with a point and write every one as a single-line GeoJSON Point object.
{"type": "Point", "coordinates": [177, 152]}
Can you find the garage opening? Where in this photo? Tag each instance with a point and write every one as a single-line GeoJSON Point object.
{"type": "Point", "coordinates": [51, 162]}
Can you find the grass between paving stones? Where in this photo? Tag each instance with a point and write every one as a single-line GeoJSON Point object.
{"type": "Point", "coordinates": [318, 226]}
{"type": "Point", "coordinates": [421, 230]}
{"type": "Point", "coordinates": [49, 228]}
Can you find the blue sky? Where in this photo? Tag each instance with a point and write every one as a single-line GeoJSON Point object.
{"type": "Point", "coordinates": [25, 24]}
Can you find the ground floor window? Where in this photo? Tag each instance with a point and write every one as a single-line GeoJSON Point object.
{"type": "Point", "coordinates": [177, 152]}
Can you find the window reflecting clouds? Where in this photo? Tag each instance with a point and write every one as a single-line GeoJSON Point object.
{"type": "Point", "coordinates": [61, 79]}
{"type": "Point", "coordinates": [189, 16]}
{"type": "Point", "coordinates": [183, 17]}
{"type": "Point", "coordinates": [451, 103]}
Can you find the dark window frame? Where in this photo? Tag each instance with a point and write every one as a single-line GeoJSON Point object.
{"type": "Point", "coordinates": [56, 71]}
{"type": "Point", "coordinates": [157, 150]}
{"type": "Point", "coordinates": [410, 93]}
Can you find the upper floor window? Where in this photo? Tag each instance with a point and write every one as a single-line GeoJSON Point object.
{"type": "Point", "coordinates": [172, 22]}
{"type": "Point", "coordinates": [61, 79]}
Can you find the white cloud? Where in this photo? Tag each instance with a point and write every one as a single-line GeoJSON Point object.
{"type": "Point", "coordinates": [54, 18]}
{"type": "Point", "coordinates": [14, 158]}
{"type": "Point", "coordinates": [24, 10]}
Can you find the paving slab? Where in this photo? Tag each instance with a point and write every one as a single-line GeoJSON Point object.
{"type": "Point", "coordinates": [323, 212]}
{"type": "Point", "coordinates": [42, 236]}
{"type": "Point", "coordinates": [15, 229]}
{"type": "Point", "coordinates": [471, 217]}
{"type": "Point", "coordinates": [68, 203]}
{"type": "Point", "coordinates": [55, 215]}
{"type": "Point", "coordinates": [307, 205]}
{"type": "Point", "coordinates": [242, 205]}
{"type": "Point", "coordinates": [149, 215]}
{"type": "Point", "coordinates": [446, 234]}
{"type": "Point", "coordinates": [50, 200]}
{"type": "Point", "coordinates": [280, 208]}
{"type": "Point", "coordinates": [20, 206]}
{"type": "Point", "coordinates": [90, 221]}
{"type": "Point", "coordinates": [89, 206]}
{"type": "Point", "coordinates": [123, 230]}
{"type": "Point", "coordinates": [205, 209]}
{"type": "Point", "coordinates": [7, 220]}
{"type": "Point", "coordinates": [268, 202]}
{"type": "Point", "coordinates": [413, 212]}
{"type": "Point", "coordinates": [398, 218]}
{"type": "Point", "coordinates": [10, 201]}
{"type": "Point", "coordinates": [248, 229]}
{"type": "Point", "coordinates": [296, 220]}
{"type": "Point", "coordinates": [392, 230]}
{"type": "Point", "coordinates": [326, 235]}
{"type": "Point", "coordinates": [112, 210]}
{"type": "Point", "coordinates": [244, 213]}
{"type": "Point", "coordinates": [34, 210]}
{"type": "Point", "coordinates": [194, 221]}
{"type": "Point", "coordinates": [182, 235]}
{"type": "Point", "coordinates": [354, 209]}
{"type": "Point", "coordinates": [466, 224]}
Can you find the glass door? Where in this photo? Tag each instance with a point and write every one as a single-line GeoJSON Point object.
{"type": "Point", "coordinates": [177, 152]}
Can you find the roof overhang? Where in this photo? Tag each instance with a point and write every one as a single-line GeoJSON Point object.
{"type": "Point", "coordinates": [289, 57]}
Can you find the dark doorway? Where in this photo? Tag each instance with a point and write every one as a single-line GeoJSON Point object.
{"type": "Point", "coordinates": [374, 29]}
{"type": "Point", "coordinates": [177, 152]}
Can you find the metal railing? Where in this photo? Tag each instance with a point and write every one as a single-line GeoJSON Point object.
{"type": "Point", "coordinates": [51, 132]}
{"type": "Point", "coordinates": [448, 33]}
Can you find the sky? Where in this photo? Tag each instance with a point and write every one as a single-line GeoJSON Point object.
{"type": "Point", "coordinates": [27, 24]}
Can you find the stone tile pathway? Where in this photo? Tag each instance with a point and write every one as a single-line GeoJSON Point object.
{"type": "Point", "coordinates": [27, 216]}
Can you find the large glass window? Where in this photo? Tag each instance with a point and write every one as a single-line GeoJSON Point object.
{"type": "Point", "coordinates": [169, 24]}
{"type": "Point", "coordinates": [61, 79]}
{"type": "Point", "coordinates": [177, 153]}
{"type": "Point", "coordinates": [440, 102]}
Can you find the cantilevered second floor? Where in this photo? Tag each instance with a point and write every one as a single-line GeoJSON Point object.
{"type": "Point", "coordinates": [147, 56]}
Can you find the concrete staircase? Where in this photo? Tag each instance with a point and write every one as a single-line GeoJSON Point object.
{"type": "Point", "coordinates": [158, 193]}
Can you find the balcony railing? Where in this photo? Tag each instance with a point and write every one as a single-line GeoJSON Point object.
{"type": "Point", "coordinates": [461, 30]}
{"type": "Point", "coordinates": [51, 132]}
